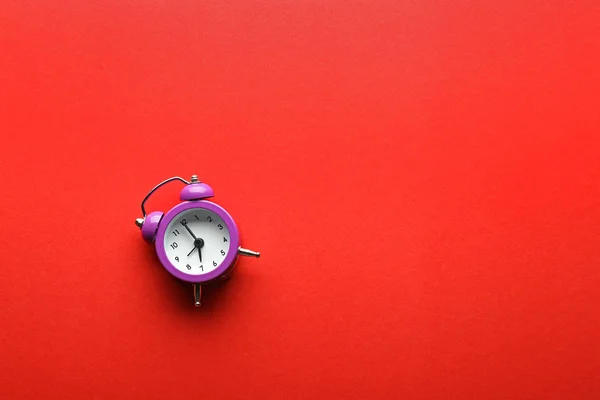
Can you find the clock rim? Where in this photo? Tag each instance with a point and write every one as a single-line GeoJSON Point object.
{"type": "Point", "coordinates": [223, 267]}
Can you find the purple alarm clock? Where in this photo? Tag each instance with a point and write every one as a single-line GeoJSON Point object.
{"type": "Point", "coordinates": [197, 241]}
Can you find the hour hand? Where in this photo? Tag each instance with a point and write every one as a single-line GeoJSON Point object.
{"type": "Point", "coordinates": [192, 251]}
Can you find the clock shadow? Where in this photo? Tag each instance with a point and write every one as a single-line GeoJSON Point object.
{"type": "Point", "coordinates": [214, 295]}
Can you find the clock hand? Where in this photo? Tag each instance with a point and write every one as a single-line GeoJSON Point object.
{"type": "Point", "coordinates": [189, 230]}
{"type": "Point", "coordinates": [199, 243]}
{"type": "Point", "coordinates": [195, 239]}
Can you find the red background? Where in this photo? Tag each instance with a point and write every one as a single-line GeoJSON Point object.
{"type": "Point", "coordinates": [421, 178]}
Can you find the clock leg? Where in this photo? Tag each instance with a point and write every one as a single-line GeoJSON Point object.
{"type": "Point", "coordinates": [248, 253]}
{"type": "Point", "coordinates": [197, 295]}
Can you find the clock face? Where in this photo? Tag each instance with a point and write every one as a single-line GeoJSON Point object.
{"type": "Point", "coordinates": [196, 241]}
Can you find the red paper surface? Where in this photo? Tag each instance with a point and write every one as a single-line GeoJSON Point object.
{"type": "Point", "coordinates": [422, 179]}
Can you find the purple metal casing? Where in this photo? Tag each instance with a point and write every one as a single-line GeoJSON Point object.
{"type": "Point", "coordinates": [196, 191]}
{"type": "Point", "coordinates": [222, 268]}
{"type": "Point", "coordinates": [150, 225]}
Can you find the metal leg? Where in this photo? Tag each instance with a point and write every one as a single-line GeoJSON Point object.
{"type": "Point", "coordinates": [197, 295]}
{"type": "Point", "coordinates": [248, 253]}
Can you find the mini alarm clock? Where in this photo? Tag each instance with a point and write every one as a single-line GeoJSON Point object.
{"type": "Point", "coordinates": [196, 241]}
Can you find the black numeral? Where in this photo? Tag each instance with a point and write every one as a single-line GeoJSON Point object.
{"type": "Point", "coordinates": [196, 217]}
{"type": "Point", "coordinates": [183, 221]}
{"type": "Point", "coordinates": [202, 267]}
{"type": "Point", "coordinates": [222, 252]}
{"type": "Point", "coordinates": [214, 263]}
{"type": "Point", "coordinates": [209, 219]}
{"type": "Point", "coordinates": [175, 232]}
{"type": "Point", "coordinates": [177, 259]}
{"type": "Point", "coordinates": [224, 239]}
{"type": "Point", "coordinates": [188, 266]}
{"type": "Point", "coordinates": [174, 245]}
{"type": "Point", "coordinates": [220, 226]}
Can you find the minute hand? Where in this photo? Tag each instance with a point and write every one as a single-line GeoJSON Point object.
{"type": "Point", "coordinates": [189, 230]}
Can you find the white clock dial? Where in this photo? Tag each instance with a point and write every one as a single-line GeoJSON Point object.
{"type": "Point", "coordinates": [196, 241]}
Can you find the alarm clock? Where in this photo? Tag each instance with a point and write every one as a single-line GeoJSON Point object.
{"type": "Point", "coordinates": [196, 241]}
